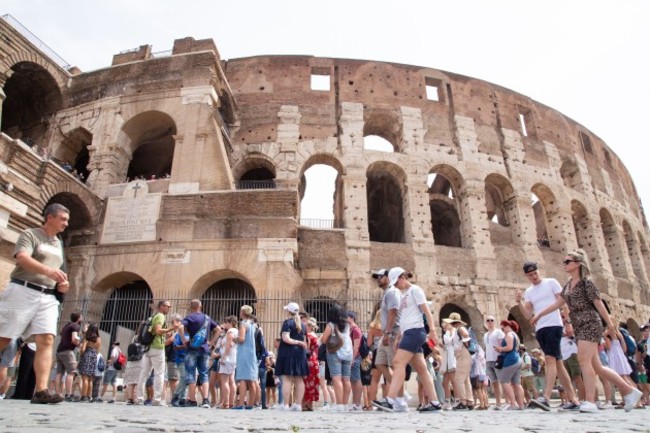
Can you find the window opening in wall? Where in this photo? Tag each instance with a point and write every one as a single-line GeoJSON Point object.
{"type": "Point", "coordinates": [608, 158]}
{"type": "Point", "coordinates": [433, 87]}
{"type": "Point", "coordinates": [320, 82]}
{"type": "Point", "coordinates": [380, 144]}
{"type": "Point", "coordinates": [317, 204]}
{"type": "Point", "coordinates": [522, 121]}
{"type": "Point", "coordinates": [586, 142]}
{"type": "Point", "coordinates": [439, 185]}
{"type": "Point", "coordinates": [540, 221]}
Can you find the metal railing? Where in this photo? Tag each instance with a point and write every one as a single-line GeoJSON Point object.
{"type": "Point", "coordinates": [31, 37]}
{"type": "Point", "coordinates": [322, 223]}
{"type": "Point", "coordinates": [256, 184]}
{"type": "Point", "coordinates": [120, 316]}
{"type": "Point", "coordinates": [165, 53]}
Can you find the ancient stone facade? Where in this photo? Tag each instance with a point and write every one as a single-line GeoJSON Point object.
{"type": "Point", "coordinates": [223, 147]}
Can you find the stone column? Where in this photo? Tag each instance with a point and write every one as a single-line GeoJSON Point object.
{"type": "Point", "coordinates": [522, 225]}
{"type": "Point", "coordinates": [287, 139]}
{"type": "Point", "coordinates": [106, 167]}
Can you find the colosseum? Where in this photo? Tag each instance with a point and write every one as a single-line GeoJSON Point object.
{"type": "Point", "coordinates": [185, 175]}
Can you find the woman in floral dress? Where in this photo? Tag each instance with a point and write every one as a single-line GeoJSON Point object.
{"type": "Point", "coordinates": [312, 381]}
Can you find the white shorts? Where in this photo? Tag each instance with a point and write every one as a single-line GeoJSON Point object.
{"type": "Point", "coordinates": [26, 312]}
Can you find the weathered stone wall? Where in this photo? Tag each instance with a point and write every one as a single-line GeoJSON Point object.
{"type": "Point", "coordinates": [492, 147]}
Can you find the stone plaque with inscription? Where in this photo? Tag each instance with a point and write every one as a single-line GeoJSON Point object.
{"type": "Point", "coordinates": [132, 217]}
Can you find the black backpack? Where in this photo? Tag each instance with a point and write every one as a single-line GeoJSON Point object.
{"type": "Point", "coordinates": [364, 349]}
{"type": "Point", "coordinates": [145, 337]}
{"type": "Point", "coordinates": [134, 352]}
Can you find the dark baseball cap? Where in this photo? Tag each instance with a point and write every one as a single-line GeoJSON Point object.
{"type": "Point", "coordinates": [380, 273]}
{"type": "Point", "coordinates": [530, 267]}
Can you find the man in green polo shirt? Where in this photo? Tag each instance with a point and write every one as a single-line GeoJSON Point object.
{"type": "Point", "coordinates": [154, 358]}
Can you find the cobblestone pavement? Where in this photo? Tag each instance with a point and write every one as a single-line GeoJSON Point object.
{"type": "Point", "coordinates": [21, 416]}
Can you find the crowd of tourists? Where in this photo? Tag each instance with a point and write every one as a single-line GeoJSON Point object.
{"type": "Point", "coordinates": [197, 361]}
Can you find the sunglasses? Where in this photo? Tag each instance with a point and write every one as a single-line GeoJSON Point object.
{"type": "Point", "coordinates": [567, 261]}
{"type": "Point", "coordinates": [489, 320]}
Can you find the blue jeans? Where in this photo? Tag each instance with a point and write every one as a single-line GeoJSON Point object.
{"type": "Point", "coordinates": [196, 360]}
{"type": "Point", "coordinates": [262, 378]}
{"type": "Point", "coordinates": [181, 387]}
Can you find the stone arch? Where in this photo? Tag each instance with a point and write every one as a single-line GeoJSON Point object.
{"type": "Point", "coordinates": [318, 307]}
{"type": "Point", "coordinates": [149, 138]}
{"type": "Point", "coordinates": [385, 124]}
{"type": "Point", "coordinates": [255, 172]}
{"type": "Point", "coordinates": [223, 292]}
{"type": "Point", "coordinates": [571, 176]}
{"type": "Point", "coordinates": [60, 77]}
{"type": "Point", "coordinates": [92, 203]}
{"type": "Point", "coordinates": [583, 229]}
{"type": "Point", "coordinates": [73, 150]}
{"type": "Point", "coordinates": [547, 221]}
{"type": "Point", "coordinates": [386, 200]}
{"type": "Point", "coordinates": [81, 221]}
{"type": "Point", "coordinates": [335, 188]}
{"type": "Point", "coordinates": [633, 251]}
{"type": "Point", "coordinates": [611, 236]}
{"type": "Point", "coordinates": [378, 144]}
{"type": "Point", "coordinates": [32, 96]}
{"type": "Point", "coordinates": [444, 205]}
{"type": "Point", "coordinates": [498, 191]}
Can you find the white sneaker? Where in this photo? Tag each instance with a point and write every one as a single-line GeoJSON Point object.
{"type": "Point", "coordinates": [632, 399]}
{"type": "Point", "coordinates": [354, 408]}
{"type": "Point", "coordinates": [588, 407]}
{"type": "Point", "coordinates": [605, 405]}
{"type": "Point", "coordinates": [296, 408]}
{"type": "Point", "coordinates": [285, 407]}
{"type": "Point", "coordinates": [400, 407]}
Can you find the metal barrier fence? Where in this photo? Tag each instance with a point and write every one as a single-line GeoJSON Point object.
{"type": "Point", "coordinates": [256, 184]}
{"type": "Point", "coordinates": [322, 223]}
{"type": "Point", "coordinates": [119, 318]}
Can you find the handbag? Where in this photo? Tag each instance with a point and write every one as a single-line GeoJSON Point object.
{"type": "Point", "coordinates": [498, 364]}
{"type": "Point", "coordinates": [334, 341]}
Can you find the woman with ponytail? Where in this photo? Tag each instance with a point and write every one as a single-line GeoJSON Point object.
{"type": "Point", "coordinates": [291, 365]}
{"type": "Point", "coordinates": [586, 310]}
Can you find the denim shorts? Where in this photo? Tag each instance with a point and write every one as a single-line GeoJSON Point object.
{"type": "Point", "coordinates": [196, 361]}
{"type": "Point", "coordinates": [337, 367]}
{"type": "Point", "coordinates": [412, 340]}
{"type": "Point", "coordinates": [110, 376]}
{"type": "Point", "coordinates": [549, 340]}
{"type": "Point", "coordinates": [355, 370]}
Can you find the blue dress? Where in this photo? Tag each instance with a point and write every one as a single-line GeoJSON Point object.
{"type": "Point", "coordinates": [292, 359]}
{"type": "Point", "coordinates": [247, 365]}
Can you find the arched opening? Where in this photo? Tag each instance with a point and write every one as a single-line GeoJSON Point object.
{"type": "Point", "coordinates": [581, 225]}
{"type": "Point", "coordinates": [449, 308]}
{"type": "Point", "coordinates": [501, 208]}
{"type": "Point", "coordinates": [226, 297]}
{"type": "Point", "coordinates": [547, 222]}
{"type": "Point", "coordinates": [255, 173]}
{"type": "Point", "coordinates": [380, 144]}
{"type": "Point", "coordinates": [73, 152]}
{"type": "Point", "coordinates": [385, 202]}
{"type": "Point", "coordinates": [633, 251]}
{"type": "Point", "coordinates": [32, 95]}
{"type": "Point", "coordinates": [318, 308]}
{"type": "Point", "coordinates": [321, 193]}
{"type": "Point", "coordinates": [382, 130]}
{"type": "Point", "coordinates": [150, 136]}
{"type": "Point", "coordinates": [571, 176]}
{"type": "Point", "coordinates": [80, 218]}
{"type": "Point", "coordinates": [126, 307]}
{"type": "Point", "coordinates": [611, 237]}
{"type": "Point", "coordinates": [445, 223]}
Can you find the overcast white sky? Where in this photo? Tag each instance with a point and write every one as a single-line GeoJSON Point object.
{"type": "Point", "coordinates": [588, 59]}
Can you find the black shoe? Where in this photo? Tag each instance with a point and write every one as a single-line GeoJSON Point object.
{"type": "Point", "coordinates": [384, 405]}
{"type": "Point", "coordinates": [569, 407]}
{"type": "Point", "coordinates": [430, 407]}
{"type": "Point", "coordinates": [541, 403]}
{"type": "Point", "coordinates": [44, 397]}
{"type": "Point", "coordinates": [191, 403]}
{"type": "Point", "coordinates": [460, 406]}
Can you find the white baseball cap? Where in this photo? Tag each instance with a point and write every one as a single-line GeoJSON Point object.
{"type": "Point", "coordinates": [292, 307]}
{"type": "Point", "coordinates": [394, 274]}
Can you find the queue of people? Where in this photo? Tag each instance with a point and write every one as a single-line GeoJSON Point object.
{"type": "Point", "coordinates": [197, 361]}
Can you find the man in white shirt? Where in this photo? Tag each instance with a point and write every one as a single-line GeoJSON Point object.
{"type": "Point", "coordinates": [548, 332]}
{"type": "Point", "coordinates": [492, 338]}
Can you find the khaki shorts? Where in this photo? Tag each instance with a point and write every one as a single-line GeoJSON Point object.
{"type": "Point", "coordinates": [385, 353]}
{"type": "Point", "coordinates": [26, 312]}
{"type": "Point", "coordinates": [573, 366]}
{"type": "Point", "coordinates": [172, 371]}
{"type": "Point", "coordinates": [66, 361]}
{"type": "Point", "coordinates": [528, 382]}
